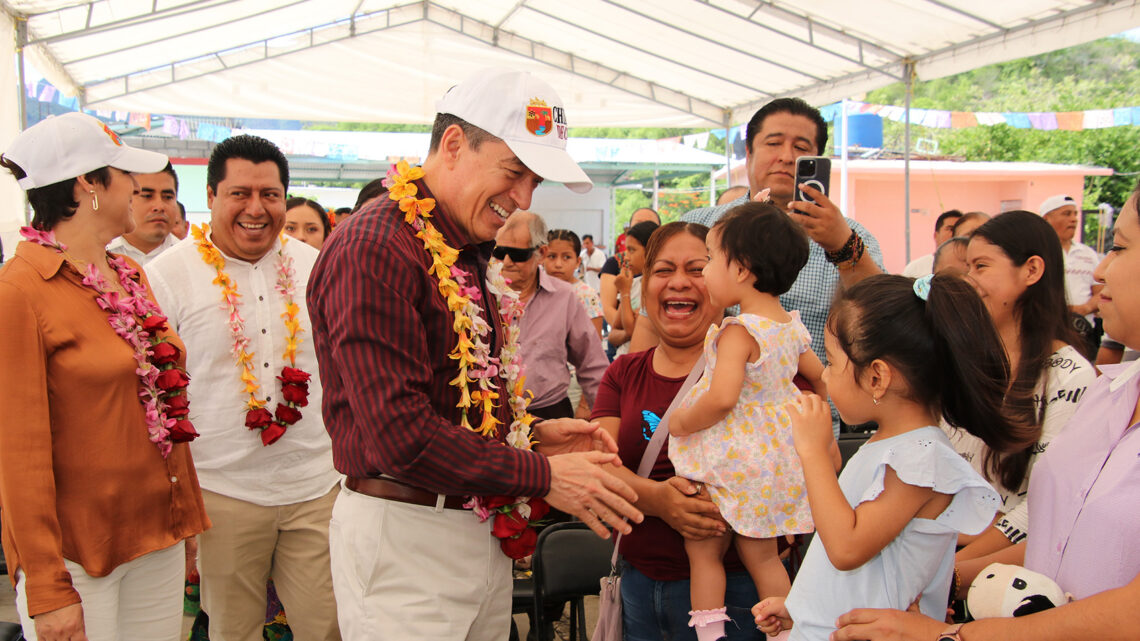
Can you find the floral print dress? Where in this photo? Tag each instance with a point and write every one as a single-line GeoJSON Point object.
{"type": "Point", "coordinates": [747, 461]}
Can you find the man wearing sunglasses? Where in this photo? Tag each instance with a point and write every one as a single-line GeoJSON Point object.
{"type": "Point", "coordinates": [409, 559]}
{"type": "Point", "coordinates": [555, 328]}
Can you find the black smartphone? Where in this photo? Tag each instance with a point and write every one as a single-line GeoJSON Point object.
{"type": "Point", "coordinates": [814, 171]}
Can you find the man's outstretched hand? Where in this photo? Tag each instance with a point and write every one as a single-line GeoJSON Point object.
{"type": "Point", "coordinates": [580, 486]}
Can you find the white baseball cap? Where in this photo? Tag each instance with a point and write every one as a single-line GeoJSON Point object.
{"type": "Point", "coordinates": [525, 113]}
{"type": "Point", "coordinates": [1055, 202]}
{"type": "Point", "coordinates": [73, 144]}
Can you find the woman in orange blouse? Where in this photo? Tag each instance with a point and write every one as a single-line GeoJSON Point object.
{"type": "Point", "coordinates": [97, 487]}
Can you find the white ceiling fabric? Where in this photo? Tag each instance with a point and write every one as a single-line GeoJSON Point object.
{"type": "Point", "coordinates": [615, 62]}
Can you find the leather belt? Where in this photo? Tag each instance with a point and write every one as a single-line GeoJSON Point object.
{"type": "Point", "coordinates": [394, 490]}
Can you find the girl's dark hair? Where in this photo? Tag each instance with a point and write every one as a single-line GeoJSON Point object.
{"type": "Point", "coordinates": [298, 201]}
{"type": "Point", "coordinates": [766, 242]}
{"type": "Point", "coordinates": [566, 235]}
{"type": "Point", "coordinates": [55, 202]}
{"type": "Point", "coordinates": [1043, 317]}
{"type": "Point", "coordinates": [665, 233]}
{"type": "Point", "coordinates": [642, 231]}
{"type": "Point", "coordinates": [945, 348]}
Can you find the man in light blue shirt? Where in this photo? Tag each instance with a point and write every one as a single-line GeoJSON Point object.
{"type": "Point", "coordinates": [778, 134]}
{"type": "Point", "coordinates": [842, 251]}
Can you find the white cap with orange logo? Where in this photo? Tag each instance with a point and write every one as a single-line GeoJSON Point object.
{"type": "Point", "coordinates": [73, 144]}
{"type": "Point", "coordinates": [526, 114]}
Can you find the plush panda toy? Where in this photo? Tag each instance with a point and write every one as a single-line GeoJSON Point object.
{"type": "Point", "coordinates": [1012, 591]}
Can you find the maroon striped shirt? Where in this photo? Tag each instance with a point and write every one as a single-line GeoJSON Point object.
{"type": "Point", "coordinates": [383, 334]}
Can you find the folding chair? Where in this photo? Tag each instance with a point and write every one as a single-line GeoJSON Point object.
{"type": "Point", "coordinates": [569, 563]}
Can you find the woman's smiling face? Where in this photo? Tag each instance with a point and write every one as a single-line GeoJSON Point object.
{"type": "Point", "coordinates": [1120, 273]}
{"type": "Point", "coordinates": [674, 293]}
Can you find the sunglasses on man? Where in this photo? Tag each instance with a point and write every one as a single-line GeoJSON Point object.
{"type": "Point", "coordinates": [517, 254]}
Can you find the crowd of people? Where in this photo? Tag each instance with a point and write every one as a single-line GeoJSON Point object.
{"type": "Point", "coordinates": [368, 414]}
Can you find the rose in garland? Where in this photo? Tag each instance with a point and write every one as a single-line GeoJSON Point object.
{"type": "Point", "coordinates": [183, 431]}
{"type": "Point", "coordinates": [165, 353]}
{"type": "Point", "coordinates": [258, 419]}
{"type": "Point", "coordinates": [172, 379]}
{"type": "Point", "coordinates": [178, 406]}
{"type": "Point", "coordinates": [271, 433]}
{"type": "Point", "coordinates": [520, 546]}
{"type": "Point", "coordinates": [286, 414]}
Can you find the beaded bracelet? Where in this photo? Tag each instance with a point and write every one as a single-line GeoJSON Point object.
{"type": "Point", "coordinates": [849, 255]}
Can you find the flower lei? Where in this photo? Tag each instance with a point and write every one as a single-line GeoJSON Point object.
{"type": "Point", "coordinates": [138, 320]}
{"type": "Point", "coordinates": [294, 381]}
{"type": "Point", "coordinates": [478, 368]}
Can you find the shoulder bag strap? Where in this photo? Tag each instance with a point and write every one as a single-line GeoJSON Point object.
{"type": "Point", "coordinates": [661, 433]}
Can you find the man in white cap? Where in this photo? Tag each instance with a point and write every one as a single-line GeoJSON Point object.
{"type": "Point", "coordinates": [1081, 288]}
{"type": "Point", "coordinates": [408, 334]}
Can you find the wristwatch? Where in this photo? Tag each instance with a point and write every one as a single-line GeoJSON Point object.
{"type": "Point", "coordinates": [952, 633]}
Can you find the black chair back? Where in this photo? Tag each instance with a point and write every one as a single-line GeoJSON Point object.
{"type": "Point", "coordinates": [569, 563]}
{"type": "Point", "coordinates": [850, 443]}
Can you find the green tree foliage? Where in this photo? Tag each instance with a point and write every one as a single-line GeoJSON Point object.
{"type": "Point", "coordinates": [367, 126]}
{"type": "Point", "coordinates": [1099, 75]}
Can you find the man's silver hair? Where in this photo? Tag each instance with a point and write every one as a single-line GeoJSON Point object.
{"type": "Point", "coordinates": [535, 226]}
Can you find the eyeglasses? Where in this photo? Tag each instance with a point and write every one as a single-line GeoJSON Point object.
{"type": "Point", "coordinates": [517, 254]}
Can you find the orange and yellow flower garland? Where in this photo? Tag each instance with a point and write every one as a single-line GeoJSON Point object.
{"type": "Point", "coordinates": [514, 516]}
{"type": "Point", "coordinates": [472, 353]}
{"type": "Point", "coordinates": [294, 381]}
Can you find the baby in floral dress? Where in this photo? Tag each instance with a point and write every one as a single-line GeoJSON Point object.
{"type": "Point", "coordinates": [732, 432]}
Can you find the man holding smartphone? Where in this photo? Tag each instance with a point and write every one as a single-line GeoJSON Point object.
{"type": "Point", "coordinates": [842, 251]}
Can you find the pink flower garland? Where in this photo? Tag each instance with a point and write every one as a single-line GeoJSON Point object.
{"type": "Point", "coordinates": [161, 382]}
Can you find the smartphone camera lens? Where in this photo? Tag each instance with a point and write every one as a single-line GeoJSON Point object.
{"type": "Point", "coordinates": [809, 167]}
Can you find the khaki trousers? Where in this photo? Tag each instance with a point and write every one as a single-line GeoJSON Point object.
{"type": "Point", "coordinates": [417, 573]}
{"type": "Point", "coordinates": [249, 543]}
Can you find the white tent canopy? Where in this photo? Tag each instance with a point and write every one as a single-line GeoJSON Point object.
{"type": "Point", "coordinates": [615, 62]}
{"type": "Point", "coordinates": [696, 63]}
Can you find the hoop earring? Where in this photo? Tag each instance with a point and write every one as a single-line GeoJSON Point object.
{"type": "Point", "coordinates": [94, 200]}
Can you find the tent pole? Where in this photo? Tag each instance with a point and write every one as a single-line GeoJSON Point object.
{"type": "Point", "coordinates": [21, 42]}
{"type": "Point", "coordinates": [908, 74]}
{"type": "Point", "coordinates": [845, 209]}
{"type": "Point", "coordinates": [656, 188]}
{"type": "Point", "coordinates": [727, 151]}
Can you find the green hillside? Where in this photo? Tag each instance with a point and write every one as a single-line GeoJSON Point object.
{"type": "Point", "coordinates": [1098, 75]}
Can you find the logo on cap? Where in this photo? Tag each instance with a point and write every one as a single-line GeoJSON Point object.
{"type": "Point", "coordinates": [539, 117]}
{"type": "Point", "coordinates": [112, 135]}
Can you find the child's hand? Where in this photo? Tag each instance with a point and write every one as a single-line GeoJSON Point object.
{"type": "Point", "coordinates": [811, 426]}
{"type": "Point", "coordinates": [772, 617]}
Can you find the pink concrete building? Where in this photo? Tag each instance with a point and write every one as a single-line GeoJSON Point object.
{"type": "Point", "coordinates": [875, 195]}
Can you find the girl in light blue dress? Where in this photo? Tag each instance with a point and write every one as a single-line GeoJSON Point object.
{"type": "Point", "coordinates": [902, 353]}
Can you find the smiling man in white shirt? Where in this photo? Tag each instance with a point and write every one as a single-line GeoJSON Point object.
{"type": "Point", "coordinates": [236, 296]}
{"type": "Point", "coordinates": [154, 208]}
